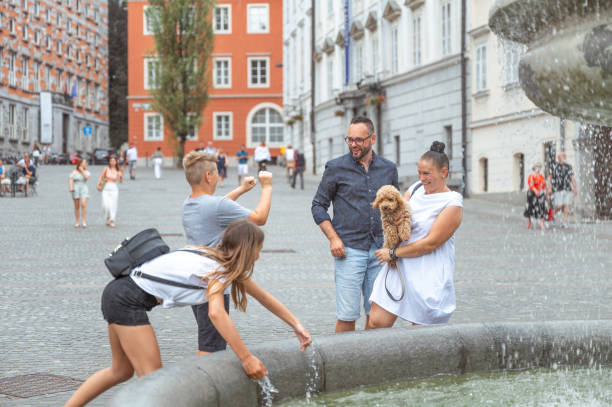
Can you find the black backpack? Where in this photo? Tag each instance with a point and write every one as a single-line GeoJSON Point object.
{"type": "Point", "coordinates": [134, 251]}
{"type": "Point", "coordinates": [139, 249]}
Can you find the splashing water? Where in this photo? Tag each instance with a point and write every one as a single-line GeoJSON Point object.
{"type": "Point", "coordinates": [267, 390]}
{"type": "Point", "coordinates": [313, 373]}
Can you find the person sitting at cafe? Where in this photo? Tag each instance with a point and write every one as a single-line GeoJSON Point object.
{"type": "Point", "coordinates": [28, 173]}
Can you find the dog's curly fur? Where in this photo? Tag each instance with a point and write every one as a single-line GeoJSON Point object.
{"type": "Point", "coordinates": [391, 204]}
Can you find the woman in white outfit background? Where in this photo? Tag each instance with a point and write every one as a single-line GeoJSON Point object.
{"type": "Point", "coordinates": [107, 183]}
{"type": "Point", "coordinates": [427, 261]}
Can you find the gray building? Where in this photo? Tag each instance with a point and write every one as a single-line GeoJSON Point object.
{"type": "Point", "coordinates": [398, 63]}
{"type": "Point", "coordinates": [53, 75]}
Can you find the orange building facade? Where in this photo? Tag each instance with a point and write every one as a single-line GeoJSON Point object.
{"type": "Point", "coordinates": [245, 94]}
{"type": "Point", "coordinates": [53, 75]}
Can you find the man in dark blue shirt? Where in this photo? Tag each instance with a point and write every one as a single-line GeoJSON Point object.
{"type": "Point", "coordinates": [350, 182]}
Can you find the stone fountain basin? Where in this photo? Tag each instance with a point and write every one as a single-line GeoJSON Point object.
{"type": "Point", "coordinates": [568, 68]}
{"type": "Point", "coordinates": [346, 361]}
{"type": "Point", "coordinates": [569, 74]}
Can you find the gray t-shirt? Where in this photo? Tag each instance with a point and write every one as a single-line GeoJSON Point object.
{"type": "Point", "coordinates": [206, 217]}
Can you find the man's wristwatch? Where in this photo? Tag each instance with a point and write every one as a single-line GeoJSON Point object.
{"type": "Point", "coordinates": [392, 256]}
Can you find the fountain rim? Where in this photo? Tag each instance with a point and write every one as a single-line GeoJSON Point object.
{"type": "Point", "coordinates": [345, 361]}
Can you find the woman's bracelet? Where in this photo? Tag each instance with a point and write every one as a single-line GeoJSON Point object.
{"type": "Point", "coordinates": [392, 256]}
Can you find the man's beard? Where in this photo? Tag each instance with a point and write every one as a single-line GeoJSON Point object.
{"type": "Point", "coordinates": [364, 152]}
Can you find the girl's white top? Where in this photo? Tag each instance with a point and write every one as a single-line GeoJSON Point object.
{"type": "Point", "coordinates": [430, 293]}
{"type": "Point", "coordinates": [181, 267]}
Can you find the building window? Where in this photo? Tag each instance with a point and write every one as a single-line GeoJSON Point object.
{"type": "Point", "coordinates": [519, 171]}
{"type": "Point", "coordinates": [258, 72]}
{"type": "Point", "coordinates": [24, 31]}
{"type": "Point", "coordinates": [36, 66]}
{"type": "Point", "coordinates": [58, 48]}
{"type": "Point", "coordinates": [222, 126]}
{"type": "Point", "coordinates": [153, 127]}
{"type": "Point", "coordinates": [375, 56]}
{"type": "Point", "coordinates": [395, 49]}
{"type": "Point", "coordinates": [417, 30]}
{"type": "Point", "coordinates": [258, 18]}
{"type": "Point", "coordinates": [151, 73]}
{"type": "Point", "coordinates": [481, 68]}
{"type": "Point", "coordinates": [512, 56]}
{"type": "Point", "coordinates": [222, 74]}
{"type": "Point", "coordinates": [358, 61]}
{"type": "Point", "coordinates": [25, 127]}
{"type": "Point", "coordinates": [267, 126]}
{"type": "Point", "coordinates": [11, 121]}
{"type": "Point", "coordinates": [446, 28]}
{"type": "Point", "coordinates": [25, 73]}
{"type": "Point", "coordinates": [12, 69]}
{"type": "Point", "coordinates": [151, 19]}
{"type": "Point", "coordinates": [330, 77]}
{"type": "Point", "coordinates": [222, 18]}
{"type": "Point", "coordinates": [330, 148]}
{"type": "Point", "coordinates": [47, 77]}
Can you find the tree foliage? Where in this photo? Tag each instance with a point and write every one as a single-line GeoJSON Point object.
{"type": "Point", "coordinates": [183, 42]}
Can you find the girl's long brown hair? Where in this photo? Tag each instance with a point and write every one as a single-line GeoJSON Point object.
{"type": "Point", "coordinates": [236, 255]}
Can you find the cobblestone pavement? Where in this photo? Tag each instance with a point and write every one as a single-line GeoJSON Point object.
{"type": "Point", "coordinates": [53, 274]}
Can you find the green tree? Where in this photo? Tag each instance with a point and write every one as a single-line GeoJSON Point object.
{"type": "Point", "coordinates": [183, 43]}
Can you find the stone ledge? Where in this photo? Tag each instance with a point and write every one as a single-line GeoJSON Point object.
{"type": "Point", "coordinates": [379, 356]}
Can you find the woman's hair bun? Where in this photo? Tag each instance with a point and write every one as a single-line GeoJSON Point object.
{"type": "Point", "coordinates": [437, 146]}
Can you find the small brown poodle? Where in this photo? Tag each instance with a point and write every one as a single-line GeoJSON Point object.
{"type": "Point", "coordinates": [393, 209]}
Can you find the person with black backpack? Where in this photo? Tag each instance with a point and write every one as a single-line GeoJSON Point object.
{"type": "Point", "coordinates": [201, 274]}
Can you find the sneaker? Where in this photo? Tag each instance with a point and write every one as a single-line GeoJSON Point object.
{"type": "Point", "coordinates": [564, 225]}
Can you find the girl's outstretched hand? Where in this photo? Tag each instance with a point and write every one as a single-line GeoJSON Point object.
{"type": "Point", "coordinates": [254, 368]}
{"type": "Point", "coordinates": [303, 336]}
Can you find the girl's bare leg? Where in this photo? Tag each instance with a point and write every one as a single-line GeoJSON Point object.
{"type": "Point", "coordinates": [120, 371]}
{"type": "Point", "coordinates": [76, 212]}
{"type": "Point", "coordinates": [380, 317]}
{"type": "Point", "coordinates": [140, 345]}
{"type": "Point", "coordinates": [84, 211]}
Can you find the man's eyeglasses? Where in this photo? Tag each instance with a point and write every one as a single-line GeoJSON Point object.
{"type": "Point", "coordinates": [356, 140]}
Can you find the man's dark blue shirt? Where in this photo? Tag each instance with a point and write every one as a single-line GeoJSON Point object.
{"type": "Point", "coordinates": [352, 190]}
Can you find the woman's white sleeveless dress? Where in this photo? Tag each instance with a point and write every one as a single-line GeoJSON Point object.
{"type": "Point", "coordinates": [430, 293]}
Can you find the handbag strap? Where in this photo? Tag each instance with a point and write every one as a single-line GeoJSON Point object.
{"type": "Point", "coordinates": [401, 276]}
{"type": "Point", "coordinates": [139, 273]}
{"type": "Point", "coordinates": [397, 266]}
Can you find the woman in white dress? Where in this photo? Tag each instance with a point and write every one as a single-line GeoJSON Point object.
{"type": "Point", "coordinates": [425, 293]}
{"type": "Point", "coordinates": [107, 183]}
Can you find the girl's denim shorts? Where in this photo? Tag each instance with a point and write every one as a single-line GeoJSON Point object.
{"type": "Point", "coordinates": [125, 303]}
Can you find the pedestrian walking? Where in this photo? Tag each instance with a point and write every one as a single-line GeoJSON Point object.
{"type": "Point", "coordinates": [210, 149]}
{"type": "Point", "coordinates": [536, 197]}
{"type": "Point", "coordinates": [206, 216]}
{"type": "Point", "coordinates": [158, 161]}
{"type": "Point", "coordinates": [421, 288]}
{"type": "Point", "coordinates": [222, 269]}
{"type": "Point", "coordinates": [350, 182]}
{"type": "Point", "coordinates": [562, 186]}
{"type": "Point", "coordinates": [289, 162]}
{"type": "Point", "coordinates": [300, 167]}
{"type": "Point", "coordinates": [243, 162]}
{"type": "Point", "coordinates": [78, 188]}
{"type": "Point", "coordinates": [221, 165]}
{"type": "Point", "coordinates": [107, 184]}
{"type": "Point", "coordinates": [262, 156]}
{"type": "Point", "coordinates": [132, 159]}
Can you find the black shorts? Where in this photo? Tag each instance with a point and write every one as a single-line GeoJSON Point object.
{"type": "Point", "coordinates": [209, 339]}
{"type": "Point", "coordinates": [125, 303]}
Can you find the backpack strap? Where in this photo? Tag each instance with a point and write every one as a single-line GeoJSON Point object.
{"type": "Point", "coordinates": [139, 273]}
{"type": "Point", "coordinates": [416, 187]}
